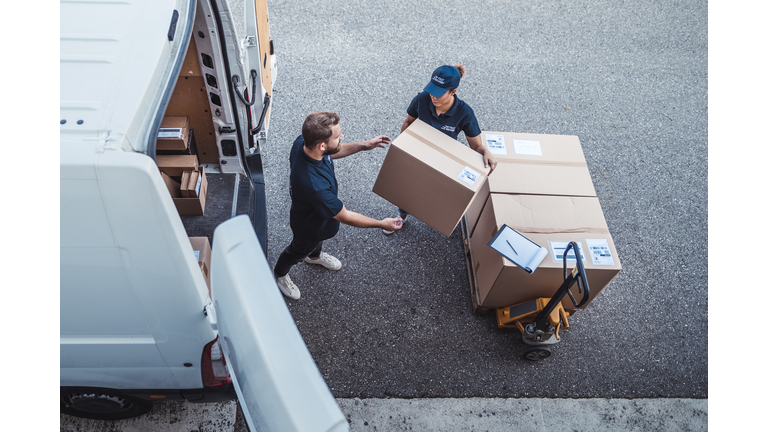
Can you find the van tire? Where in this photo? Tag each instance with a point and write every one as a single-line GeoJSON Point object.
{"type": "Point", "coordinates": [102, 404]}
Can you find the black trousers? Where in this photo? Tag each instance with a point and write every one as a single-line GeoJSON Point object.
{"type": "Point", "coordinates": [295, 252]}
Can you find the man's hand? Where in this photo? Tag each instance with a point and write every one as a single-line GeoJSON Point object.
{"type": "Point", "coordinates": [352, 148]}
{"type": "Point", "coordinates": [379, 141]}
{"type": "Point", "coordinates": [392, 224]}
{"type": "Point", "coordinates": [489, 161]}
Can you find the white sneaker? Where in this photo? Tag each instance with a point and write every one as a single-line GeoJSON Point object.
{"type": "Point", "coordinates": [402, 223]}
{"type": "Point", "coordinates": [325, 260]}
{"type": "Point", "coordinates": [288, 288]}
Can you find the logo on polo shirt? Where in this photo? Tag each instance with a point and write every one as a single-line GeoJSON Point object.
{"type": "Point", "coordinates": [438, 79]}
{"type": "Point", "coordinates": [449, 128]}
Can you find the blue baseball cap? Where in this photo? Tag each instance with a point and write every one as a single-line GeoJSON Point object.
{"type": "Point", "coordinates": [443, 79]}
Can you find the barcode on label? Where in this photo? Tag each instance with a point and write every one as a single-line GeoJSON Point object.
{"type": "Point", "coordinates": [169, 133]}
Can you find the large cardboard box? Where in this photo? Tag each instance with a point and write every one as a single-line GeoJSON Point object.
{"type": "Point", "coordinates": [431, 176]}
{"type": "Point", "coordinates": [533, 164]}
{"type": "Point", "coordinates": [175, 165]}
{"type": "Point", "coordinates": [550, 222]}
{"type": "Point", "coordinates": [202, 248]}
{"type": "Point", "coordinates": [173, 134]}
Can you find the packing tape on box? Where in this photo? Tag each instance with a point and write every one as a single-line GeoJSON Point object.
{"type": "Point", "coordinates": [535, 230]}
{"type": "Point", "coordinates": [580, 230]}
{"type": "Point", "coordinates": [503, 160]}
{"type": "Point", "coordinates": [446, 152]}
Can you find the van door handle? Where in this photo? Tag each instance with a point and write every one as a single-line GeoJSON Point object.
{"type": "Point", "coordinates": [236, 79]}
{"type": "Point", "coordinates": [210, 312]}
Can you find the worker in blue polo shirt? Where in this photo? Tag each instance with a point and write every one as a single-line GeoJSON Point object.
{"type": "Point", "coordinates": [315, 207]}
{"type": "Point", "coordinates": [439, 107]}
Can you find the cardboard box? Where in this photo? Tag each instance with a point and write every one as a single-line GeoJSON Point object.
{"type": "Point", "coordinates": [194, 206]}
{"type": "Point", "coordinates": [184, 184]}
{"type": "Point", "coordinates": [431, 176]}
{"type": "Point", "coordinates": [548, 221]}
{"type": "Point", "coordinates": [173, 186]}
{"type": "Point", "coordinates": [194, 184]}
{"type": "Point", "coordinates": [173, 134]}
{"type": "Point", "coordinates": [533, 164]}
{"type": "Point", "coordinates": [188, 206]}
{"type": "Point", "coordinates": [202, 248]}
{"type": "Point", "coordinates": [175, 165]}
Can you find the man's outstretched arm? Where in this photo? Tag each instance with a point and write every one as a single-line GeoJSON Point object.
{"type": "Point", "coordinates": [361, 221]}
{"type": "Point", "coordinates": [348, 149]}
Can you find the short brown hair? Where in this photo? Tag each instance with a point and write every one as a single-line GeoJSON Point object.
{"type": "Point", "coordinates": [317, 127]}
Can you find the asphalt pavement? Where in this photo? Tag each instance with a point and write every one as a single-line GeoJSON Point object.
{"type": "Point", "coordinates": [628, 78]}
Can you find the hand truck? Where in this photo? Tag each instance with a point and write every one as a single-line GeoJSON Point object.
{"type": "Point", "coordinates": [540, 320]}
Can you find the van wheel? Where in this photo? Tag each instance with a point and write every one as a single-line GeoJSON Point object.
{"type": "Point", "coordinates": [102, 404]}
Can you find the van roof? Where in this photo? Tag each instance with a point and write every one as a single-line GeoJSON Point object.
{"type": "Point", "coordinates": [109, 54]}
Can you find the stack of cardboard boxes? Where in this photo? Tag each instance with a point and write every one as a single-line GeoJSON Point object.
{"type": "Point", "coordinates": [182, 173]}
{"type": "Point", "coordinates": [185, 179]}
{"type": "Point", "coordinates": [541, 188]}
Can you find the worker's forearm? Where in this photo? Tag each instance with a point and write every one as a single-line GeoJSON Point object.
{"type": "Point", "coordinates": [357, 220]}
{"type": "Point", "coordinates": [407, 122]}
{"type": "Point", "coordinates": [348, 149]}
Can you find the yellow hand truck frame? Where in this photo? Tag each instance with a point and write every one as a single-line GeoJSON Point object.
{"type": "Point", "coordinates": [540, 320]}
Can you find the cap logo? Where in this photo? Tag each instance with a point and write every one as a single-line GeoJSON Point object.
{"type": "Point", "coordinates": [438, 79]}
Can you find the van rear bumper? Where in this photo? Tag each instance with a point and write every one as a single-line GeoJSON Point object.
{"type": "Point", "coordinates": [221, 393]}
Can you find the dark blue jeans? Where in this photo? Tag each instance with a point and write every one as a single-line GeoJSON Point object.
{"type": "Point", "coordinates": [295, 252]}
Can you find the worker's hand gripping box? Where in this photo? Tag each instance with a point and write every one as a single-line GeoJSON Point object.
{"type": "Point", "coordinates": [551, 222]}
{"type": "Point", "coordinates": [431, 176]}
{"type": "Point", "coordinates": [534, 164]}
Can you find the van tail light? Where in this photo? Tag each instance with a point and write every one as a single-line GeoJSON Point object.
{"type": "Point", "coordinates": [214, 366]}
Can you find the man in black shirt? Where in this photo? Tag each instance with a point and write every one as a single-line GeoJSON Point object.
{"type": "Point", "coordinates": [315, 207]}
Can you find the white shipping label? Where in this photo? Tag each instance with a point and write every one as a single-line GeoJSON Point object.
{"type": "Point", "coordinates": [600, 252]}
{"type": "Point", "coordinates": [469, 175]}
{"type": "Point", "coordinates": [496, 144]}
{"type": "Point", "coordinates": [197, 255]}
{"type": "Point", "coordinates": [527, 147]}
{"type": "Point", "coordinates": [558, 249]}
{"type": "Point", "coordinates": [169, 133]}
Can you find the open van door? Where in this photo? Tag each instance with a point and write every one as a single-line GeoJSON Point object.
{"type": "Point", "coordinates": [278, 385]}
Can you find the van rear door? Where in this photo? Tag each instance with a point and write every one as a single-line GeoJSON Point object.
{"type": "Point", "coordinates": [278, 384]}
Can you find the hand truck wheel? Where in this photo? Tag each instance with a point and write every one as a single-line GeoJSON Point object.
{"type": "Point", "coordinates": [536, 353]}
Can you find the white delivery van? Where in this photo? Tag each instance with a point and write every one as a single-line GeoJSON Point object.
{"type": "Point", "coordinates": [142, 319]}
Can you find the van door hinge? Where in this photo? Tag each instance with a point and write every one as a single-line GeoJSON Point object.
{"type": "Point", "coordinates": [226, 129]}
{"type": "Point", "coordinates": [251, 41]}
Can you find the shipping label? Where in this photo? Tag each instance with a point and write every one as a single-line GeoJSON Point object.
{"type": "Point", "coordinates": [527, 147]}
{"type": "Point", "coordinates": [558, 249]}
{"type": "Point", "coordinates": [169, 133]}
{"type": "Point", "coordinates": [469, 175]}
{"type": "Point", "coordinates": [600, 252]}
{"type": "Point", "coordinates": [496, 144]}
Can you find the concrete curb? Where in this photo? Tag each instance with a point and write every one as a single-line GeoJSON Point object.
{"type": "Point", "coordinates": [439, 414]}
{"type": "Point", "coordinates": [502, 414]}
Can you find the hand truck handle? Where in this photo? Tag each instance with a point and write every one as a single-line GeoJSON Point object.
{"type": "Point", "coordinates": [578, 273]}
